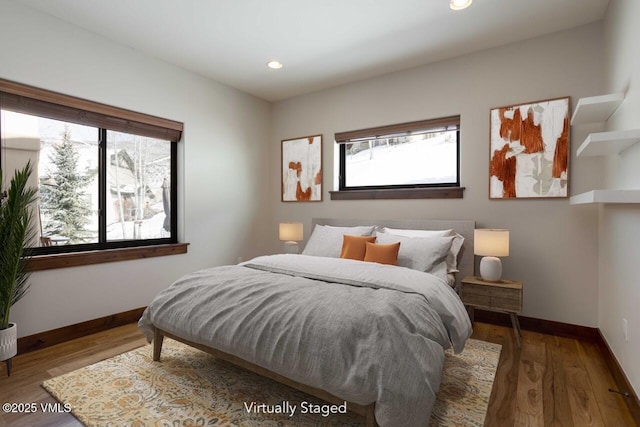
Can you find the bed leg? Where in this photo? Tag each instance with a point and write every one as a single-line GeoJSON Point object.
{"type": "Point", "coordinates": [157, 344]}
{"type": "Point", "coordinates": [371, 417]}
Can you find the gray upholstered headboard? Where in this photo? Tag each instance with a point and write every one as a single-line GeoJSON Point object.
{"type": "Point", "coordinates": [463, 227]}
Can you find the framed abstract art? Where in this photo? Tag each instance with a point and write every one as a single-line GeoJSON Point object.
{"type": "Point", "coordinates": [302, 169]}
{"type": "Point", "coordinates": [529, 150]}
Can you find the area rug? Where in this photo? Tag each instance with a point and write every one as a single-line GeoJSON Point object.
{"type": "Point", "coordinates": [192, 388]}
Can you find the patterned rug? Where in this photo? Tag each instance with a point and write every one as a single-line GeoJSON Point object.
{"type": "Point", "coordinates": [192, 388]}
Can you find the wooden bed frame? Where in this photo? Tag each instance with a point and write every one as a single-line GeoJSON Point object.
{"type": "Point", "coordinates": [366, 411]}
{"type": "Point", "coordinates": [465, 265]}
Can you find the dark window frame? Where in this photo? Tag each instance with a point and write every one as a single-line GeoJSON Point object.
{"type": "Point", "coordinates": [411, 191]}
{"type": "Point", "coordinates": [43, 103]}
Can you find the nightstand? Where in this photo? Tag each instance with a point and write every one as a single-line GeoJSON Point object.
{"type": "Point", "coordinates": [504, 296]}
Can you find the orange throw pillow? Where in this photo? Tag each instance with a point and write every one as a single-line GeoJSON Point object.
{"type": "Point", "coordinates": [353, 247]}
{"type": "Point", "coordinates": [382, 254]}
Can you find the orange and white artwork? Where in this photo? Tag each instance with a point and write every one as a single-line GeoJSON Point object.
{"type": "Point", "coordinates": [302, 169]}
{"type": "Point", "coordinates": [529, 150]}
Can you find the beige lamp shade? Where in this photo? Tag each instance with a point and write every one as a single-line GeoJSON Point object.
{"type": "Point", "coordinates": [291, 231]}
{"type": "Point", "coordinates": [491, 242]}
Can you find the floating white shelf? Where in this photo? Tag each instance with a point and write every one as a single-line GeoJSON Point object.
{"type": "Point", "coordinates": [605, 143]}
{"type": "Point", "coordinates": [596, 109]}
{"type": "Point", "coordinates": [606, 196]}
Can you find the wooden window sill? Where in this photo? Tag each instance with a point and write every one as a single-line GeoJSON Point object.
{"type": "Point", "coordinates": [400, 193]}
{"type": "Point", "coordinates": [75, 259]}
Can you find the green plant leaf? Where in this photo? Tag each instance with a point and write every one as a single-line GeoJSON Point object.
{"type": "Point", "coordinates": [16, 231]}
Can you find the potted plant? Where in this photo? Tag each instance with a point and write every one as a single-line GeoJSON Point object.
{"type": "Point", "coordinates": [16, 231]}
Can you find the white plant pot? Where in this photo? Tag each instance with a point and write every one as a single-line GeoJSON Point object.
{"type": "Point", "coordinates": [8, 342]}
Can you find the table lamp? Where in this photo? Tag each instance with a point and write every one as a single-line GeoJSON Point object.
{"type": "Point", "coordinates": [491, 243]}
{"type": "Point", "coordinates": [291, 233]}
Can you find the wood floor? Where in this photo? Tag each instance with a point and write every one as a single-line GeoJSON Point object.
{"type": "Point", "coordinates": [550, 381]}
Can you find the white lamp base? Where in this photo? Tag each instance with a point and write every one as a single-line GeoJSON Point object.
{"type": "Point", "coordinates": [290, 247]}
{"type": "Point", "coordinates": [491, 268]}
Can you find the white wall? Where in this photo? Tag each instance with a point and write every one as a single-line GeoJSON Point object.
{"type": "Point", "coordinates": [619, 224]}
{"type": "Point", "coordinates": [225, 141]}
{"type": "Point", "coordinates": [553, 245]}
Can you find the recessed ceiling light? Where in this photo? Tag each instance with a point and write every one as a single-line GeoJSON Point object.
{"type": "Point", "coordinates": [460, 4]}
{"type": "Point", "coordinates": [276, 65]}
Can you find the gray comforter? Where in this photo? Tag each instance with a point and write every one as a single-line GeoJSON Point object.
{"type": "Point", "coordinates": [364, 332]}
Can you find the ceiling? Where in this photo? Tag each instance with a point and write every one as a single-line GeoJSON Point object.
{"type": "Point", "coordinates": [322, 43]}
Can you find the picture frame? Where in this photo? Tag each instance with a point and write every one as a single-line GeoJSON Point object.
{"type": "Point", "coordinates": [529, 150]}
{"type": "Point", "coordinates": [301, 169]}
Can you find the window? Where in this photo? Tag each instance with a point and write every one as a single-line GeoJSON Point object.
{"type": "Point", "coordinates": [401, 160]}
{"type": "Point", "coordinates": [106, 177]}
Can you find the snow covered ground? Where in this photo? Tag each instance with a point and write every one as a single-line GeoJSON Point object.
{"type": "Point", "coordinates": [431, 161]}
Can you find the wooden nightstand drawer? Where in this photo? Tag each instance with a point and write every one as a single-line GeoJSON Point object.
{"type": "Point", "coordinates": [484, 290]}
{"type": "Point", "coordinates": [506, 304]}
{"type": "Point", "coordinates": [510, 304]}
{"type": "Point", "coordinates": [504, 295]}
{"type": "Point", "coordinates": [470, 298]}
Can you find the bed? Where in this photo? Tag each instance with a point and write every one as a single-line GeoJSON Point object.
{"type": "Point", "coordinates": [342, 330]}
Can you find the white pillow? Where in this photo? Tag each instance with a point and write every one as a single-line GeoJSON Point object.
{"type": "Point", "coordinates": [421, 253]}
{"type": "Point", "coordinates": [456, 245]}
{"type": "Point", "coordinates": [326, 240]}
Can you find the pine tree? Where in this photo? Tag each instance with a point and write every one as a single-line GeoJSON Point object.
{"type": "Point", "coordinates": [67, 210]}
